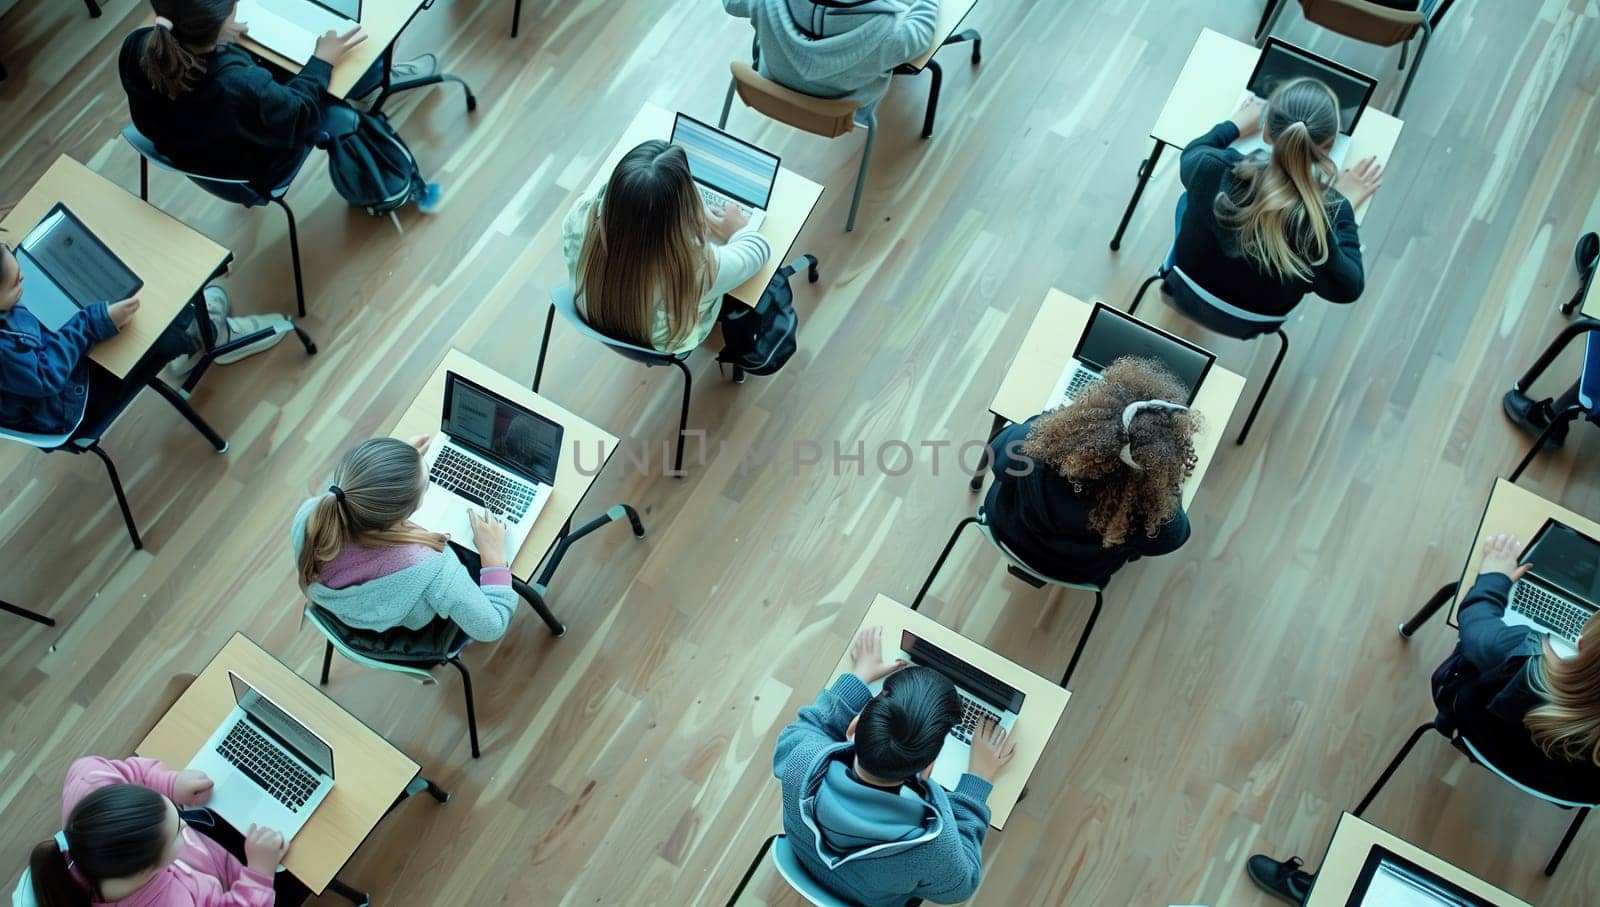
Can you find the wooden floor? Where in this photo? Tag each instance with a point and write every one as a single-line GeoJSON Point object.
{"type": "Point", "coordinates": [1237, 695]}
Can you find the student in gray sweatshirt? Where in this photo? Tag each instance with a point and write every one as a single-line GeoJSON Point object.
{"type": "Point", "coordinates": [865, 819]}
{"type": "Point", "coordinates": [838, 48]}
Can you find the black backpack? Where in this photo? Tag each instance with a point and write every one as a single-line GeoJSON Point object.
{"type": "Point", "coordinates": [372, 168]}
{"type": "Point", "coordinates": [760, 340]}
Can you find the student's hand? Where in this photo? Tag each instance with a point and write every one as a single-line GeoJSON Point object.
{"type": "Point", "coordinates": [122, 312]}
{"type": "Point", "coordinates": [866, 656]}
{"type": "Point", "coordinates": [1359, 182]}
{"type": "Point", "coordinates": [332, 45]}
{"type": "Point", "coordinates": [1248, 116]}
{"type": "Point", "coordinates": [264, 850]}
{"type": "Point", "coordinates": [1500, 553]}
{"type": "Point", "coordinates": [722, 223]}
{"type": "Point", "coordinates": [420, 442]}
{"type": "Point", "coordinates": [992, 749]}
{"type": "Point", "coordinates": [191, 788]}
{"type": "Point", "coordinates": [232, 31]}
{"type": "Point", "coordinates": [489, 536]}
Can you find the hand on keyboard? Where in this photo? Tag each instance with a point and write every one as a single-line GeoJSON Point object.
{"type": "Point", "coordinates": [1500, 553]}
{"type": "Point", "coordinates": [992, 749]}
{"type": "Point", "coordinates": [489, 537]}
{"type": "Point", "coordinates": [263, 850]}
{"type": "Point", "coordinates": [192, 788]}
{"type": "Point", "coordinates": [724, 223]}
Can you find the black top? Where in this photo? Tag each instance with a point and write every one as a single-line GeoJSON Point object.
{"type": "Point", "coordinates": [1045, 523]}
{"type": "Point", "coordinates": [237, 122]}
{"type": "Point", "coordinates": [1209, 252]}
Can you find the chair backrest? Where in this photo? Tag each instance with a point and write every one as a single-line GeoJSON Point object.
{"type": "Point", "coordinates": [1009, 555]}
{"type": "Point", "coordinates": [1589, 381]}
{"type": "Point", "coordinates": [240, 192]}
{"type": "Point", "coordinates": [1524, 786]}
{"type": "Point", "coordinates": [566, 304]}
{"type": "Point", "coordinates": [1373, 23]}
{"type": "Point", "coordinates": [339, 635]}
{"type": "Point", "coordinates": [1183, 283]}
{"type": "Point", "coordinates": [829, 118]}
{"type": "Point", "coordinates": [789, 867]}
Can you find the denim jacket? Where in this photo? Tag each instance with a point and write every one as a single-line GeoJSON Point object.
{"type": "Point", "coordinates": [44, 374]}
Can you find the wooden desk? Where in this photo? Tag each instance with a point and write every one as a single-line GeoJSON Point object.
{"type": "Point", "coordinates": [582, 442]}
{"type": "Point", "coordinates": [1047, 349]}
{"type": "Point", "coordinates": [1353, 840]}
{"type": "Point", "coordinates": [1042, 705]}
{"type": "Point", "coordinates": [951, 14]}
{"type": "Point", "coordinates": [1514, 509]}
{"type": "Point", "coordinates": [369, 773]}
{"type": "Point", "coordinates": [383, 21]}
{"type": "Point", "coordinates": [793, 197]}
{"type": "Point", "coordinates": [173, 260]}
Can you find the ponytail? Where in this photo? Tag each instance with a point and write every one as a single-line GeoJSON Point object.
{"type": "Point", "coordinates": [375, 488]}
{"type": "Point", "coordinates": [53, 883]}
{"type": "Point", "coordinates": [184, 29]}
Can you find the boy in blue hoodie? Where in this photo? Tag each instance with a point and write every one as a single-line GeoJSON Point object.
{"type": "Point", "coordinates": [864, 817]}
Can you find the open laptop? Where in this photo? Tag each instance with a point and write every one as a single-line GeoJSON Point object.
{"type": "Point", "coordinates": [1281, 62]}
{"type": "Point", "coordinates": [292, 27]}
{"type": "Point", "coordinates": [1562, 588]}
{"type": "Point", "coordinates": [1390, 880]}
{"type": "Point", "coordinates": [727, 170]}
{"type": "Point", "coordinates": [489, 454]}
{"type": "Point", "coordinates": [66, 267]}
{"type": "Point", "coordinates": [982, 696]}
{"type": "Point", "coordinates": [267, 767]}
{"type": "Point", "coordinates": [1112, 334]}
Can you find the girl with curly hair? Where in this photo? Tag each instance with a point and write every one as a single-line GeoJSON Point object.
{"type": "Point", "coordinates": [1083, 489]}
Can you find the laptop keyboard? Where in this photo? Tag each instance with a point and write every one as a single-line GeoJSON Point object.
{"type": "Point", "coordinates": [1080, 381]}
{"type": "Point", "coordinates": [277, 774]}
{"type": "Point", "coordinates": [1561, 617]}
{"type": "Point", "coordinates": [715, 199]}
{"type": "Point", "coordinates": [483, 485]}
{"type": "Point", "coordinates": [972, 715]}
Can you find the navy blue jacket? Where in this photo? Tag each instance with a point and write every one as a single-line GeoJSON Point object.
{"type": "Point", "coordinates": [44, 374]}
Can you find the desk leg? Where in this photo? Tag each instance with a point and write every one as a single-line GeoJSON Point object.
{"type": "Point", "coordinates": [1146, 167]}
{"type": "Point", "coordinates": [358, 898]}
{"type": "Point", "coordinates": [1438, 14]}
{"type": "Point", "coordinates": [1445, 593]}
{"type": "Point", "coordinates": [994, 429]}
{"type": "Point", "coordinates": [1568, 333]}
{"type": "Point", "coordinates": [34, 616]}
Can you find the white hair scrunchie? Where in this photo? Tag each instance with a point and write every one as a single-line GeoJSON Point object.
{"type": "Point", "coordinates": [1134, 409]}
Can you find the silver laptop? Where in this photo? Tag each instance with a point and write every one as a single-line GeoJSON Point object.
{"type": "Point", "coordinates": [1390, 880]}
{"type": "Point", "coordinates": [727, 171]}
{"type": "Point", "coordinates": [292, 27]}
{"type": "Point", "coordinates": [66, 267]}
{"type": "Point", "coordinates": [268, 768]}
{"type": "Point", "coordinates": [982, 696]}
{"type": "Point", "coordinates": [1112, 334]}
{"type": "Point", "coordinates": [489, 454]}
{"type": "Point", "coordinates": [1281, 61]}
{"type": "Point", "coordinates": [1561, 590]}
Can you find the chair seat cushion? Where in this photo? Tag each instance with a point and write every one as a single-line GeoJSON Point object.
{"type": "Point", "coordinates": [439, 641]}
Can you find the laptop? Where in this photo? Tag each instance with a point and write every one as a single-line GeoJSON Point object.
{"type": "Point", "coordinates": [1561, 590]}
{"type": "Point", "coordinates": [1281, 61]}
{"type": "Point", "coordinates": [982, 696]}
{"type": "Point", "coordinates": [489, 454]}
{"type": "Point", "coordinates": [728, 171]}
{"type": "Point", "coordinates": [266, 766]}
{"type": "Point", "coordinates": [1112, 334]}
{"type": "Point", "coordinates": [1390, 880]}
{"type": "Point", "coordinates": [66, 267]}
{"type": "Point", "coordinates": [292, 27]}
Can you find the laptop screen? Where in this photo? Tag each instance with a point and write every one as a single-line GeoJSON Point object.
{"type": "Point", "coordinates": [976, 683]}
{"type": "Point", "coordinates": [350, 9]}
{"type": "Point", "coordinates": [281, 725]}
{"type": "Point", "coordinates": [1281, 62]}
{"type": "Point", "coordinates": [1567, 559]}
{"type": "Point", "coordinates": [492, 426]}
{"type": "Point", "coordinates": [737, 169]}
{"type": "Point", "coordinates": [1112, 334]}
{"type": "Point", "coordinates": [1389, 880]}
{"type": "Point", "coordinates": [77, 261]}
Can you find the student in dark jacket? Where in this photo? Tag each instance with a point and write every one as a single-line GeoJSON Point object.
{"type": "Point", "coordinates": [212, 109]}
{"type": "Point", "coordinates": [1083, 489]}
{"type": "Point", "coordinates": [1260, 232]}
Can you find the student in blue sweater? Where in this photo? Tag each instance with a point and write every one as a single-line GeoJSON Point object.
{"type": "Point", "coordinates": [865, 820]}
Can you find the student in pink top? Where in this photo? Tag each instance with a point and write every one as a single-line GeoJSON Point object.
{"type": "Point", "coordinates": [127, 844]}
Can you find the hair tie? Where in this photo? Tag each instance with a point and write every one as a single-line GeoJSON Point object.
{"type": "Point", "coordinates": [164, 22]}
{"type": "Point", "coordinates": [1134, 409]}
{"type": "Point", "coordinates": [337, 492]}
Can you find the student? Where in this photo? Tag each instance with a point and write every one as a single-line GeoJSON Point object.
{"type": "Point", "coordinates": [363, 560]}
{"type": "Point", "coordinates": [212, 109]}
{"type": "Point", "coordinates": [1267, 229]}
{"type": "Point", "coordinates": [127, 838]}
{"type": "Point", "coordinates": [649, 264]}
{"type": "Point", "coordinates": [49, 386]}
{"type": "Point", "coordinates": [1083, 489]}
{"type": "Point", "coordinates": [838, 48]}
{"type": "Point", "coordinates": [1534, 713]}
{"type": "Point", "coordinates": [864, 818]}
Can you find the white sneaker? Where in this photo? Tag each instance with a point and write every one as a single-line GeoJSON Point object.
{"type": "Point", "coordinates": [217, 306]}
{"type": "Point", "coordinates": [244, 325]}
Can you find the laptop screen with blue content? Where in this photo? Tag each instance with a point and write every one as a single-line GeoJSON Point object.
{"type": "Point", "coordinates": [737, 169]}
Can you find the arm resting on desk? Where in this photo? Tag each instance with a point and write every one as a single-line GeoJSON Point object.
{"type": "Point", "coordinates": [36, 362]}
{"type": "Point", "coordinates": [738, 261]}
{"type": "Point", "coordinates": [1486, 640]}
{"type": "Point", "coordinates": [822, 723]}
{"type": "Point", "coordinates": [1344, 277]}
{"type": "Point", "coordinates": [1210, 149]}
{"type": "Point", "coordinates": [912, 35]}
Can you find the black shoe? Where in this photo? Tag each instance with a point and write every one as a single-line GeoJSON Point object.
{"type": "Point", "coordinates": [1533, 416]}
{"type": "Point", "coordinates": [1284, 880]}
{"type": "Point", "coordinates": [1586, 253]}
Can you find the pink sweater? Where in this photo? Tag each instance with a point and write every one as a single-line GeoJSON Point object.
{"type": "Point", "coordinates": [203, 875]}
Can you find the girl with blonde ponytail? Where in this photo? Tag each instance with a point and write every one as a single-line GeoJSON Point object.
{"type": "Point", "coordinates": [359, 556]}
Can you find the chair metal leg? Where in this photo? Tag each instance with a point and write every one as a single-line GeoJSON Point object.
{"type": "Point", "coordinates": [1146, 167]}
{"type": "Point", "coordinates": [472, 712]}
{"type": "Point", "coordinates": [24, 613]}
{"type": "Point", "coordinates": [727, 106]}
{"type": "Point", "coordinates": [938, 564]}
{"type": "Point", "coordinates": [94, 8]}
{"type": "Point", "coordinates": [1083, 638]}
{"type": "Point", "coordinates": [435, 791]}
{"type": "Point", "coordinates": [861, 174]}
{"type": "Point", "coordinates": [1390, 770]}
{"type": "Point", "coordinates": [1428, 609]}
{"type": "Point", "coordinates": [1139, 296]}
{"type": "Point", "coordinates": [536, 601]}
{"type": "Point", "coordinates": [516, 17]}
{"type": "Point", "coordinates": [122, 499]}
{"type": "Point", "coordinates": [144, 178]}
{"type": "Point", "coordinates": [544, 346]}
{"type": "Point", "coordinates": [683, 418]}
{"type": "Point", "coordinates": [294, 253]}
{"type": "Point", "coordinates": [181, 404]}
{"type": "Point", "coordinates": [972, 35]}
{"type": "Point", "coordinates": [1562, 419]}
{"type": "Point", "coordinates": [1283, 348]}
{"type": "Point", "coordinates": [569, 536]}
{"type": "Point", "coordinates": [1271, 21]}
{"type": "Point", "coordinates": [358, 898]}
{"type": "Point", "coordinates": [1422, 48]}
{"type": "Point", "coordinates": [995, 427]}
{"type": "Point", "coordinates": [1566, 841]}
{"type": "Point", "coordinates": [327, 662]}
{"type": "Point", "coordinates": [1266, 19]}
{"type": "Point", "coordinates": [935, 83]}
{"type": "Point", "coordinates": [1565, 336]}
{"type": "Point", "coordinates": [751, 872]}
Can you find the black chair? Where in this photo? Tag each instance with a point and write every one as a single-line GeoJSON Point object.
{"type": "Point", "coordinates": [936, 75]}
{"type": "Point", "coordinates": [94, 8]}
{"type": "Point", "coordinates": [25, 614]}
